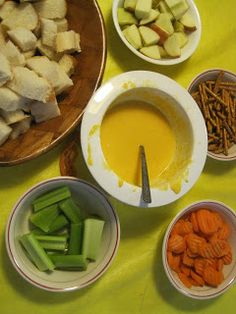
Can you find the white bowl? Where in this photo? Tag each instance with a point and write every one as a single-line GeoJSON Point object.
{"type": "Point", "coordinates": [93, 201]}
{"type": "Point", "coordinates": [229, 271]}
{"type": "Point", "coordinates": [212, 74]}
{"type": "Point", "coordinates": [146, 86]}
{"type": "Point", "coordinates": [186, 51]}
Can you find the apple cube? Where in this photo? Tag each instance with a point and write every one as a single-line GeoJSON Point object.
{"type": "Point", "coordinates": [151, 52]}
{"type": "Point", "coordinates": [183, 39]}
{"type": "Point", "coordinates": [163, 7]}
{"type": "Point", "coordinates": [164, 22]}
{"type": "Point", "coordinates": [163, 52]}
{"type": "Point", "coordinates": [130, 5]}
{"type": "Point", "coordinates": [178, 27]}
{"type": "Point", "coordinates": [152, 16]}
{"type": "Point", "coordinates": [125, 17]}
{"type": "Point", "coordinates": [148, 36]}
{"type": "Point", "coordinates": [143, 7]}
{"type": "Point", "coordinates": [177, 7]}
{"type": "Point", "coordinates": [172, 46]}
{"type": "Point", "coordinates": [133, 36]}
{"type": "Point", "coordinates": [161, 32]}
{"type": "Point", "coordinates": [188, 22]}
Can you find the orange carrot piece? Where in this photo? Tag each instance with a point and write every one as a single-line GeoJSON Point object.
{"type": "Point", "coordinates": [176, 244]}
{"type": "Point", "coordinates": [185, 280]}
{"type": "Point", "coordinates": [197, 278]}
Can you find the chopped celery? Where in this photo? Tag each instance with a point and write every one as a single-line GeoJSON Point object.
{"type": "Point", "coordinates": [51, 197]}
{"type": "Point", "coordinates": [75, 241]}
{"type": "Point", "coordinates": [71, 210]}
{"type": "Point", "coordinates": [36, 252]}
{"type": "Point", "coordinates": [58, 223]}
{"type": "Point", "coordinates": [45, 217]}
{"type": "Point", "coordinates": [92, 236]}
{"type": "Point", "coordinates": [77, 262]}
{"type": "Point", "coordinates": [48, 242]}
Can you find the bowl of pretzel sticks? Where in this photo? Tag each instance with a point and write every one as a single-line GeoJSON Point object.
{"type": "Point", "coordinates": [198, 252]}
{"type": "Point", "coordinates": [214, 91]}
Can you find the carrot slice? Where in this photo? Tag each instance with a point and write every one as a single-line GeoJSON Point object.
{"type": "Point", "coordinates": [206, 221]}
{"type": "Point", "coordinates": [227, 259]}
{"type": "Point", "coordinates": [185, 280]}
{"type": "Point", "coordinates": [173, 261]}
{"type": "Point", "coordinates": [197, 278]}
{"type": "Point", "coordinates": [212, 277]}
{"type": "Point", "coordinates": [193, 219]}
{"type": "Point", "coordinates": [176, 244]}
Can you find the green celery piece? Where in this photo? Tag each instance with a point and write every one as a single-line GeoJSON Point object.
{"type": "Point", "coordinates": [51, 197]}
{"type": "Point", "coordinates": [36, 252]}
{"type": "Point", "coordinates": [45, 217]}
{"type": "Point", "coordinates": [76, 262]}
{"type": "Point", "coordinates": [92, 236]}
{"type": "Point", "coordinates": [71, 210]}
{"type": "Point", "coordinates": [48, 242]}
{"type": "Point", "coordinates": [58, 223]}
{"type": "Point", "coordinates": [75, 240]}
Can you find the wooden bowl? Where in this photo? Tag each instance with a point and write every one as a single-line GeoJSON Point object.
{"type": "Point", "coordinates": [91, 62]}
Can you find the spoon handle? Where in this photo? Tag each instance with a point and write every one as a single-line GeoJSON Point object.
{"type": "Point", "coordinates": [146, 193]}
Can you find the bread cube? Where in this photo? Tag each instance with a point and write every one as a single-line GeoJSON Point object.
{"type": "Point", "coordinates": [23, 38]}
{"type": "Point", "coordinates": [5, 70]}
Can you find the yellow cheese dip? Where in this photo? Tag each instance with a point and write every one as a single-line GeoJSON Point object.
{"type": "Point", "coordinates": [126, 126]}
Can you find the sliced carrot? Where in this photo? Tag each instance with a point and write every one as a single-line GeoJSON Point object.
{"type": "Point", "coordinates": [220, 247]}
{"type": "Point", "coordinates": [220, 264]}
{"type": "Point", "coordinates": [227, 259]}
{"type": "Point", "coordinates": [197, 278]}
{"type": "Point", "coordinates": [173, 261]}
{"type": "Point", "coordinates": [185, 280]}
{"type": "Point", "coordinates": [176, 244]}
{"type": "Point", "coordinates": [185, 227]}
{"type": "Point", "coordinates": [224, 232]}
{"type": "Point", "coordinates": [193, 219]}
{"type": "Point", "coordinates": [185, 269]}
{"type": "Point", "coordinates": [199, 264]}
{"type": "Point", "coordinates": [188, 261]}
{"type": "Point", "coordinates": [212, 277]}
{"type": "Point", "coordinates": [206, 221]}
{"type": "Point", "coordinates": [194, 241]}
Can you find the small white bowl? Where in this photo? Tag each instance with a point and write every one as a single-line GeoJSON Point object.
{"type": "Point", "coordinates": [212, 74]}
{"type": "Point", "coordinates": [186, 51]}
{"type": "Point", "coordinates": [145, 86]}
{"type": "Point", "coordinates": [93, 201]}
{"type": "Point", "coordinates": [229, 271]}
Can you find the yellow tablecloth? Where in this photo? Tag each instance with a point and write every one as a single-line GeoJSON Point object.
{"type": "Point", "coordinates": [135, 282]}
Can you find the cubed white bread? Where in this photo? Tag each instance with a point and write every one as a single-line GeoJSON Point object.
{"type": "Point", "coordinates": [5, 131]}
{"type": "Point", "coordinates": [23, 38]}
{"type": "Point", "coordinates": [43, 112]}
{"type": "Point", "coordinates": [11, 117]}
{"type": "Point", "coordinates": [13, 54]}
{"type": "Point", "coordinates": [24, 15]}
{"type": "Point", "coordinates": [51, 71]}
{"type": "Point", "coordinates": [28, 84]}
{"type": "Point", "coordinates": [48, 32]}
{"type": "Point", "coordinates": [29, 54]}
{"type": "Point", "coordinates": [68, 42]}
{"type": "Point", "coordinates": [5, 70]}
{"type": "Point", "coordinates": [68, 64]}
{"type": "Point", "coordinates": [1, 2]}
{"type": "Point", "coordinates": [7, 8]}
{"type": "Point", "coordinates": [11, 101]}
{"type": "Point", "coordinates": [20, 127]}
{"type": "Point", "coordinates": [2, 37]}
{"type": "Point", "coordinates": [48, 51]}
{"type": "Point", "coordinates": [37, 30]}
{"type": "Point", "coordinates": [62, 25]}
{"type": "Point", "coordinates": [51, 9]}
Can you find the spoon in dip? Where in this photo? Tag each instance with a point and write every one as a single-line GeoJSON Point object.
{"type": "Point", "coordinates": [146, 193]}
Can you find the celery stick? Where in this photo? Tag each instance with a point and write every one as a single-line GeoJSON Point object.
{"type": "Point", "coordinates": [77, 262]}
{"type": "Point", "coordinates": [36, 252]}
{"type": "Point", "coordinates": [51, 197]}
{"type": "Point", "coordinates": [58, 223]}
{"type": "Point", "coordinates": [92, 236]}
{"type": "Point", "coordinates": [48, 242]}
{"type": "Point", "coordinates": [45, 217]}
{"type": "Point", "coordinates": [71, 210]}
{"type": "Point", "coordinates": [75, 241]}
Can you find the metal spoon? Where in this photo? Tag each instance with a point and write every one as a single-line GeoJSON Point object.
{"type": "Point", "coordinates": [146, 193]}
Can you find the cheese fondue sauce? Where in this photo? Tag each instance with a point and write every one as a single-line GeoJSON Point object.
{"type": "Point", "coordinates": [126, 126]}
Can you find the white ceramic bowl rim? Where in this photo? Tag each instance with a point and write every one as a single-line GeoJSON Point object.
{"type": "Point", "coordinates": [189, 208]}
{"type": "Point", "coordinates": [202, 76]}
{"type": "Point", "coordinates": [187, 51]}
{"type": "Point", "coordinates": [14, 259]}
{"type": "Point", "coordinates": [93, 116]}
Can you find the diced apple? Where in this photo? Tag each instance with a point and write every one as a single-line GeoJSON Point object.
{"type": "Point", "coordinates": [142, 9]}
{"type": "Point", "coordinates": [178, 27]}
{"type": "Point", "coordinates": [188, 22]}
{"type": "Point", "coordinates": [130, 5]}
{"type": "Point", "coordinates": [172, 46]}
{"type": "Point", "coordinates": [148, 36]}
{"type": "Point", "coordinates": [164, 22]}
{"type": "Point", "coordinates": [163, 52]}
{"type": "Point", "coordinates": [133, 36]}
{"type": "Point", "coordinates": [177, 7]}
{"type": "Point", "coordinates": [183, 38]}
{"type": "Point", "coordinates": [125, 17]}
{"type": "Point", "coordinates": [151, 52]}
{"type": "Point", "coordinates": [155, 3]}
{"type": "Point", "coordinates": [163, 7]}
{"type": "Point", "coordinates": [161, 32]}
{"type": "Point", "coordinates": [152, 16]}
